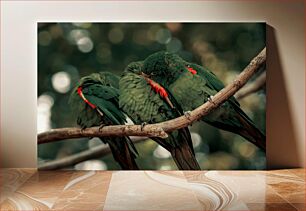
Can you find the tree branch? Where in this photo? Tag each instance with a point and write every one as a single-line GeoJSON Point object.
{"type": "Point", "coordinates": [253, 87]}
{"type": "Point", "coordinates": [114, 130]}
{"type": "Point", "coordinates": [95, 152]}
{"type": "Point", "coordinates": [160, 129]}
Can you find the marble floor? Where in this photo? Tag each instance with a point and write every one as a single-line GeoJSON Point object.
{"type": "Point", "coordinates": [29, 189]}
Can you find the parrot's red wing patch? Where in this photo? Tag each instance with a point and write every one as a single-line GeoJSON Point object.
{"type": "Point", "coordinates": [158, 89]}
{"type": "Point", "coordinates": [193, 71]}
{"type": "Point", "coordinates": [84, 98]}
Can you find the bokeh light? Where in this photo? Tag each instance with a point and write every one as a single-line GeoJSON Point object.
{"type": "Point", "coordinates": [76, 34]}
{"type": "Point", "coordinates": [115, 35]}
{"type": "Point", "coordinates": [83, 25]}
{"type": "Point", "coordinates": [61, 82]}
{"type": "Point", "coordinates": [91, 165]}
{"type": "Point", "coordinates": [85, 44]}
{"type": "Point", "coordinates": [163, 36]}
{"type": "Point", "coordinates": [161, 153]}
{"type": "Point", "coordinates": [44, 105]}
{"type": "Point", "coordinates": [174, 45]}
{"type": "Point", "coordinates": [94, 142]}
{"type": "Point", "coordinates": [44, 38]}
{"type": "Point", "coordinates": [196, 139]}
{"type": "Point", "coordinates": [165, 168]}
{"type": "Point", "coordinates": [104, 53]}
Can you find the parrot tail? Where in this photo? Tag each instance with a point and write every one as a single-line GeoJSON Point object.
{"type": "Point", "coordinates": [179, 144]}
{"type": "Point", "coordinates": [183, 154]}
{"type": "Point", "coordinates": [123, 154]}
{"type": "Point", "coordinates": [184, 159]}
{"type": "Point", "coordinates": [250, 132]}
{"type": "Point", "coordinates": [246, 129]}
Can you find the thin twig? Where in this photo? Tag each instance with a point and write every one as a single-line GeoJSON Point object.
{"type": "Point", "coordinates": [95, 152]}
{"type": "Point", "coordinates": [253, 87]}
{"type": "Point", "coordinates": [160, 129]}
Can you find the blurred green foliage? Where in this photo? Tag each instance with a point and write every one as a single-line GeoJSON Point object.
{"type": "Point", "coordinates": [68, 51]}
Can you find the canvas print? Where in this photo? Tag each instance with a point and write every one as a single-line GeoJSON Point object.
{"type": "Point", "coordinates": [151, 96]}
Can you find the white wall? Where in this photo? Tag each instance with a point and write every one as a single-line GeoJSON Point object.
{"type": "Point", "coordinates": [286, 63]}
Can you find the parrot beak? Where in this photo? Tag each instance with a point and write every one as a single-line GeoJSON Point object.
{"type": "Point", "coordinates": [145, 75]}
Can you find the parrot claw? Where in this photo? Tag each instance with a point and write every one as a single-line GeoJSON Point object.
{"type": "Point", "coordinates": [187, 114]}
{"type": "Point", "coordinates": [211, 100]}
{"type": "Point", "coordinates": [174, 109]}
{"type": "Point", "coordinates": [143, 125]}
{"type": "Point", "coordinates": [101, 126]}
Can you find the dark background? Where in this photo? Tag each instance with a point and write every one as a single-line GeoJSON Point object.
{"type": "Point", "coordinates": [68, 51]}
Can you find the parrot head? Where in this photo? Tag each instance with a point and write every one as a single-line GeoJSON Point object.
{"type": "Point", "coordinates": [104, 78]}
{"type": "Point", "coordinates": [109, 79]}
{"type": "Point", "coordinates": [92, 78]}
{"type": "Point", "coordinates": [164, 67]}
{"type": "Point", "coordinates": [135, 67]}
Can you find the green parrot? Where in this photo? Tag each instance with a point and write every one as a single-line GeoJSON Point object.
{"type": "Point", "coordinates": [192, 85]}
{"type": "Point", "coordinates": [95, 101]}
{"type": "Point", "coordinates": [145, 101]}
